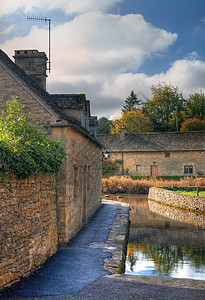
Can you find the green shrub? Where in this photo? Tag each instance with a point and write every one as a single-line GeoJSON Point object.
{"type": "Point", "coordinates": [25, 150]}
{"type": "Point", "coordinates": [109, 168]}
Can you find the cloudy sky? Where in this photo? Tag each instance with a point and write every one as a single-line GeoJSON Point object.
{"type": "Point", "coordinates": [106, 48]}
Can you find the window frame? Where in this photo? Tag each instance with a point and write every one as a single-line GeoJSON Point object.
{"type": "Point", "coordinates": [188, 167]}
{"type": "Point", "coordinates": [138, 168]}
{"type": "Point", "coordinates": [167, 154]}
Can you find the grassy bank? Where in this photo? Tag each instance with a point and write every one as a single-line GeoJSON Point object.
{"type": "Point", "coordinates": [125, 184]}
{"type": "Point", "coordinates": [188, 190]}
{"type": "Point", "coordinates": [193, 193]}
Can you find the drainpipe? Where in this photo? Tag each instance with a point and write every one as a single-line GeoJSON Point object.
{"type": "Point", "coordinates": [56, 182]}
{"type": "Point", "coordinates": [49, 130]}
{"type": "Point", "coordinates": [122, 163]}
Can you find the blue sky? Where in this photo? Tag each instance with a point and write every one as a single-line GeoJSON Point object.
{"type": "Point", "coordinates": [107, 48]}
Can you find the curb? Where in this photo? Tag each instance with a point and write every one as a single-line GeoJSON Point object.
{"type": "Point", "coordinates": [117, 239]}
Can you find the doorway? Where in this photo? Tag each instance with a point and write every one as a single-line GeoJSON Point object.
{"type": "Point", "coordinates": [154, 171]}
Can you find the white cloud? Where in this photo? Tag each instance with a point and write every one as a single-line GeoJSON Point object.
{"type": "Point", "coordinates": [87, 49]}
{"type": "Point", "coordinates": [8, 7]}
{"type": "Point", "coordinates": [99, 54]}
{"type": "Point", "coordinates": [187, 75]}
{"type": "Point", "coordinates": [67, 6]}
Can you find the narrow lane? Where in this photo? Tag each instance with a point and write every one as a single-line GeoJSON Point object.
{"type": "Point", "coordinates": [75, 265]}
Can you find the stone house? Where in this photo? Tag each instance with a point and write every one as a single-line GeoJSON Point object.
{"type": "Point", "coordinates": [65, 117]}
{"type": "Point", "coordinates": [157, 154]}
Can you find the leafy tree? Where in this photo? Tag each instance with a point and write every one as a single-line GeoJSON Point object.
{"type": "Point", "coordinates": [103, 126]}
{"type": "Point", "coordinates": [134, 121]}
{"type": "Point", "coordinates": [195, 106]}
{"type": "Point", "coordinates": [165, 108]}
{"type": "Point", "coordinates": [24, 150]}
{"type": "Point", "coordinates": [193, 124]}
{"type": "Point", "coordinates": [131, 102]}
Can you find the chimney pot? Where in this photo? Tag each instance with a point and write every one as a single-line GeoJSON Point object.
{"type": "Point", "coordinates": [123, 131]}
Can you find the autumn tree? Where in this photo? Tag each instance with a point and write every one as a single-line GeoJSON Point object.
{"type": "Point", "coordinates": [165, 108]}
{"type": "Point", "coordinates": [131, 102]}
{"type": "Point", "coordinates": [195, 106]}
{"type": "Point", "coordinates": [134, 121]}
{"type": "Point", "coordinates": [193, 124]}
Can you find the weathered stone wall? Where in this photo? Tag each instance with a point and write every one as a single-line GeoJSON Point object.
{"type": "Point", "coordinates": [29, 226]}
{"type": "Point", "coordinates": [10, 89]}
{"type": "Point", "coordinates": [172, 166]}
{"type": "Point", "coordinates": [176, 199]}
{"type": "Point", "coordinates": [79, 181]}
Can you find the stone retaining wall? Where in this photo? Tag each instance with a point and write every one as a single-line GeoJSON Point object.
{"type": "Point", "coordinates": [29, 226]}
{"type": "Point", "coordinates": [117, 239]}
{"type": "Point", "coordinates": [175, 199]}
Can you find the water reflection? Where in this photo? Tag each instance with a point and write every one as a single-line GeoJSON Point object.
{"type": "Point", "coordinates": [165, 260]}
{"type": "Point", "coordinates": [164, 241]}
{"type": "Point", "coordinates": [177, 214]}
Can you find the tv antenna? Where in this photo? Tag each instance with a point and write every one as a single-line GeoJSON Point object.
{"type": "Point", "coordinates": [49, 36]}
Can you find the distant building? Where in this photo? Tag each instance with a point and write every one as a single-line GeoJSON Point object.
{"type": "Point", "coordinates": [65, 117]}
{"type": "Point", "coordinates": [157, 154]}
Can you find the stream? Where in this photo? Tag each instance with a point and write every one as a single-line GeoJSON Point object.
{"type": "Point", "coordinates": [164, 241]}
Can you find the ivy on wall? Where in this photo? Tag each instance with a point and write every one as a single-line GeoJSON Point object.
{"type": "Point", "coordinates": [24, 149]}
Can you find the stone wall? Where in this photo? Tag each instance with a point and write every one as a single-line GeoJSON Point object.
{"type": "Point", "coordinates": [175, 199]}
{"type": "Point", "coordinates": [172, 165]}
{"type": "Point", "coordinates": [10, 89]}
{"type": "Point", "coordinates": [29, 226]}
{"type": "Point", "coordinates": [79, 180]}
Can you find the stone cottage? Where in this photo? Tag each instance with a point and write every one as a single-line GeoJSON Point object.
{"type": "Point", "coordinates": [157, 154]}
{"type": "Point", "coordinates": [66, 117]}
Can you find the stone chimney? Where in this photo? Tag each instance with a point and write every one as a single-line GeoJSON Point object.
{"type": "Point", "coordinates": [123, 131]}
{"type": "Point", "coordinates": [33, 63]}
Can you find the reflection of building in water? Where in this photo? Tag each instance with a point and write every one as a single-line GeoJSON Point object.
{"type": "Point", "coordinates": [151, 227]}
{"type": "Point", "coordinates": [177, 214]}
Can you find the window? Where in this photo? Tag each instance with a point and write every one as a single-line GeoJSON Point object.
{"type": "Point", "coordinates": [188, 170]}
{"type": "Point", "coordinates": [167, 154]}
{"type": "Point", "coordinates": [138, 167]}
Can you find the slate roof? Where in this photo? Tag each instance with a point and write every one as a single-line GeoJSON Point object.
{"type": "Point", "coordinates": [69, 101]}
{"type": "Point", "coordinates": [173, 141]}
